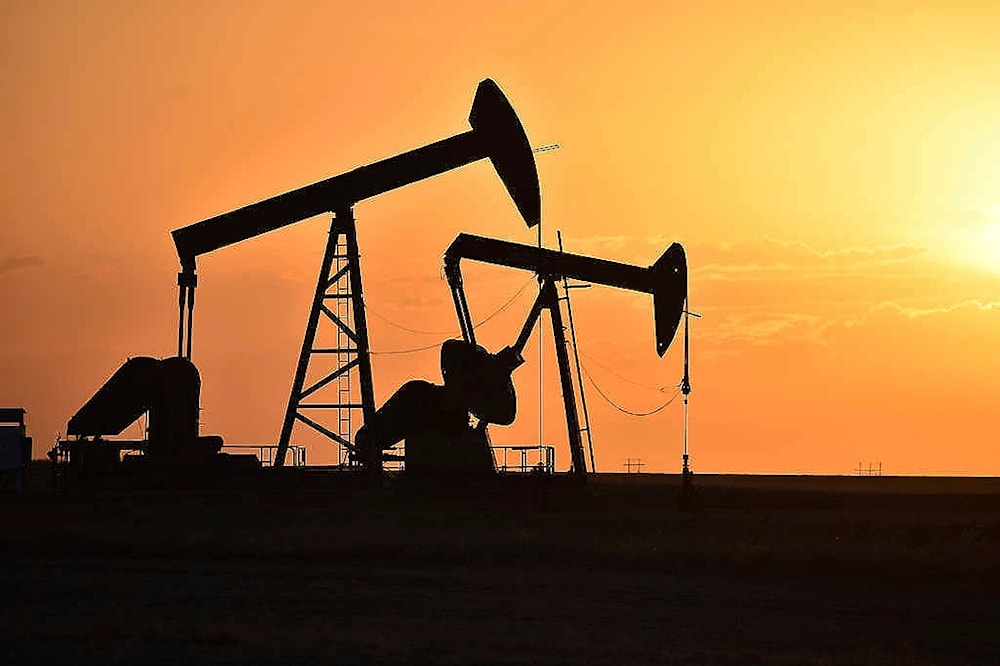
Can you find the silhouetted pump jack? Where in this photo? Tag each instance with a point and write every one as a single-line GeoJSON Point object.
{"type": "Point", "coordinates": [168, 390]}
{"type": "Point", "coordinates": [496, 134]}
{"type": "Point", "coordinates": [435, 420]}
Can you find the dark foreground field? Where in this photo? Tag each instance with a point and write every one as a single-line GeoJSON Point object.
{"type": "Point", "coordinates": [765, 570]}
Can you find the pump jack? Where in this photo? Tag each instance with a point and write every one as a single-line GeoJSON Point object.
{"type": "Point", "coordinates": [435, 418]}
{"type": "Point", "coordinates": [496, 134]}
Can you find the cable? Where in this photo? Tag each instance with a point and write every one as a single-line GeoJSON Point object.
{"type": "Point", "coordinates": [475, 325]}
{"type": "Point", "coordinates": [400, 326]}
{"type": "Point", "coordinates": [436, 344]}
{"type": "Point", "coordinates": [661, 389]}
{"type": "Point", "coordinates": [406, 351]}
{"type": "Point", "coordinates": [505, 305]}
{"type": "Point", "coordinates": [619, 407]}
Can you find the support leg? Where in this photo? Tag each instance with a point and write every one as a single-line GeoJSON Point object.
{"type": "Point", "coordinates": [190, 326]}
{"type": "Point", "coordinates": [307, 344]}
{"type": "Point", "coordinates": [181, 302]}
{"type": "Point", "coordinates": [186, 283]}
{"type": "Point", "coordinates": [566, 380]}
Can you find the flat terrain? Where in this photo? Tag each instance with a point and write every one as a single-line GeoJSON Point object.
{"type": "Point", "coordinates": [762, 570]}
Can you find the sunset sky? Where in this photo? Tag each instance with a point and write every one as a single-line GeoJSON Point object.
{"type": "Point", "coordinates": [833, 172]}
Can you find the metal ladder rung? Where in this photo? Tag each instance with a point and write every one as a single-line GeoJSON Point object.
{"type": "Point", "coordinates": [343, 297]}
{"type": "Point", "coordinates": [330, 405]}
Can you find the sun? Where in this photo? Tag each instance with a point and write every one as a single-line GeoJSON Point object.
{"type": "Point", "coordinates": [976, 245]}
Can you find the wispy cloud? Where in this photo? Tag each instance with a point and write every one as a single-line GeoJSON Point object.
{"type": "Point", "coordinates": [763, 329]}
{"type": "Point", "coordinates": [772, 259]}
{"type": "Point", "coordinates": [913, 313]}
{"type": "Point", "coordinates": [10, 264]}
{"type": "Point", "coordinates": [771, 329]}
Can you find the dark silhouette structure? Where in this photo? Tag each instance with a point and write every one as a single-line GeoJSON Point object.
{"type": "Point", "coordinates": [445, 426]}
{"type": "Point", "coordinates": [169, 391]}
{"type": "Point", "coordinates": [496, 134]}
{"type": "Point", "coordinates": [15, 449]}
{"type": "Point", "coordinates": [686, 497]}
{"type": "Point", "coordinates": [434, 420]}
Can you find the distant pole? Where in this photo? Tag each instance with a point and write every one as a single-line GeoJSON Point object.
{"type": "Point", "coordinates": [541, 325]}
{"type": "Point", "coordinates": [686, 390]}
{"type": "Point", "coordinates": [633, 465]}
{"type": "Point", "coordinates": [686, 474]}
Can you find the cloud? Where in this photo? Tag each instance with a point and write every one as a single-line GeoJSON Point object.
{"type": "Point", "coordinates": [969, 306]}
{"type": "Point", "coordinates": [769, 259]}
{"type": "Point", "coordinates": [770, 329]}
{"type": "Point", "coordinates": [765, 329]}
{"type": "Point", "coordinates": [11, 264]}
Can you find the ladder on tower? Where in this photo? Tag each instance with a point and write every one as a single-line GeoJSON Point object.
{"type": "Point", "coordinates": [344, 352]}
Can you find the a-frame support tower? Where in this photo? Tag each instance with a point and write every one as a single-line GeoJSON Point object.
{"type": "Point", "coordinates": [338, 301]}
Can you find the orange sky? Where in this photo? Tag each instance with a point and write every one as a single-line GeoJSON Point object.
{"type": "Point", "coordinates": [833, 173]}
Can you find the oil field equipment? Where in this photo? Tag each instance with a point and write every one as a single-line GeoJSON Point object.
{"type": "Point", "coordinates": [15, 449]}
{"type": "Point", "coordinates": [434, 420]}
{"type": "Point", "coordinates": [686, 473]}
{"type": "Point", "coordinates": [168, 391]}
{"type": "Point", "coordinates": [496, 134]}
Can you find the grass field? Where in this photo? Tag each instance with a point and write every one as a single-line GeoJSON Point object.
{"type": "Point", "coordinates": [763, 570]}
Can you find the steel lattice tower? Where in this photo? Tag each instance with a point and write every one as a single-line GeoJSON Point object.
{"type": "Point", "coordinates": [339, 285]}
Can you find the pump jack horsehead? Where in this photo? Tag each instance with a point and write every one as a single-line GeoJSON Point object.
{"type": "Point", "coordinates": [434, 420]}
{"type": "Point", "coordinates": [496, 134]}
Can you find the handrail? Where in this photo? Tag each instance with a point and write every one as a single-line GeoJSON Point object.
{"type": "Point", "coordinates": [543, 461]}
{"type": "Point", "coordinates": [266, 453]}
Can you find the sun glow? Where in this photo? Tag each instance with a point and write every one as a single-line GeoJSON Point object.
{"type": "Point", "coordinates": [977, 244]}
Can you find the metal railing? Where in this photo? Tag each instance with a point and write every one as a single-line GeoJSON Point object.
{"type": "Point", "coordinates": [534, 458]}
{"type": "Point", "coordinates": [266, 453]}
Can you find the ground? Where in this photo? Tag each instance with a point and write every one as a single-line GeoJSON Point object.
{"type": "Point", "coordinates": [762, 570]}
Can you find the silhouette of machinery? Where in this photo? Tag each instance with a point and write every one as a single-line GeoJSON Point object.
{"type": "Point", "coordinates": [435, 419]}
{"type": "Point", "coordinates": [496, 134]}
{"type": "Point", "coordinates": [445, 426]}
{"type": "Point", "coordinates": [169, 391]}
{"type": "Point", "coordinates": [15, 449]}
